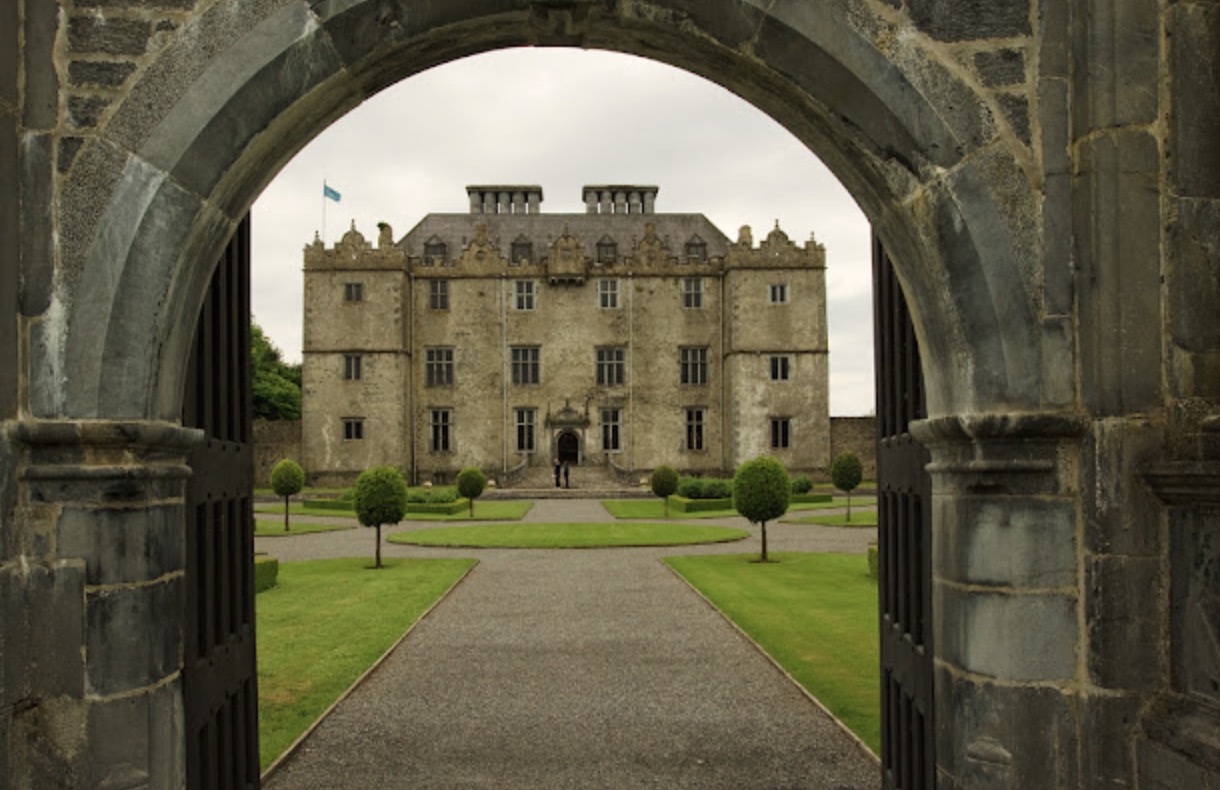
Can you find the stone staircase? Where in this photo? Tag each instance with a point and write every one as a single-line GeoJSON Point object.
{"type": "Point", "coordinates": [584, 482]}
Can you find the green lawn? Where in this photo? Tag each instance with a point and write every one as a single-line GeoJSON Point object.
{"type": "Point", "coordinates": [655, 508]}
{"type": "Point", "coordinates": [275, 529]}
{"type": "Point", "coordinates": [859, 518]}
{"type": "Point", "coordinates": [567, 536]}
{"type": "Point", "coordinates": [816, 614]}
{"type": "Point", "coordinates": [492, 510]}
{"type": "Point", "coordinates": [324, 624]}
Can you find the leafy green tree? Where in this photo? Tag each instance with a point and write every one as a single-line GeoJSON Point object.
{"type": "Point", "coordinates": [276, 384]}
{"type": "Point", "coordinates": [470, 484]}
{"type": "Point", "coordinates": [760, 493]}
{"type": "Point", "coordinates": [845, 473]}
{"type": "Point", "coordinates": [287, 478]}
{"type": "Point", "coordinates": [380, 498]}
{"type": "Point", "coordinates": [664, 483]}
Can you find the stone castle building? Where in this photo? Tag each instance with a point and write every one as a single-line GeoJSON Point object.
{"type": "Point", "coordinates": [507, 337]}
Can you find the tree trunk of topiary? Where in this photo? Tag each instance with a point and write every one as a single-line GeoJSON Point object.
{"type": "Point", "coordinates": [849, 506]}
{"type": "Point", "coordinates": [377, 564]}
{"type": "Point", "coordinates": [764, 542]}
{"type": "Point", "coordinates": [286, 513]}
{"type": "Point", "coordinates": [472, 507]}
{"type": "Point", "coordinates": [666, 507]}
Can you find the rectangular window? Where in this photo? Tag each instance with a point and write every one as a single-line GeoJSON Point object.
{"type": "Point", "coordinates": [694, 429]}
{"type": "Point", "coordinates": [611, 420]}
{"type": "Point", "coordinates": [525, 364]}
{"type": "Point", "coordinates": [692, 292]}
{"type": "Point", "coordinates": [524, 294]}
{"type": "Point", "coordinates": [610, 366]}
{"type": "Point", "coordinates": [696, 251]}
{"type": "Point", "coordinates": [434, 251]}
{"type": "Point", "coordinates": [693, 364]}
{"type": "Point", "coordinates": [526, 420]}
{"type": "Point", "coordinates": [440, 421]}
{"type": "Point", "coordinates": [779, 293]}
{"type": "Point", "coordinates": [353, 292]}
{"type": "Point", "coordinates": [352, 364]}
{"type": "Point", "coordinates": [438, 294]}
{"type": "Point", "coordinates": [779, 433]}
{"type": "Point", "coordinates": [438, 367]}
{"type": "Point", "coordinates": [353, 429]}
{"type": "Point", "coordinates": [779, 367]}
{"type": "Point", "coordinates": [607, 294]}
{"type": "Point", "coordinates": [607, 251]}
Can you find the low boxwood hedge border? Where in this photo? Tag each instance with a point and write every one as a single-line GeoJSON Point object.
{"type": "Point", "coordinates": [461, 505]}
{"type": "Point", "coordinates": [266, 573]}
{"type": "Point", "coordinates": [684, 505]}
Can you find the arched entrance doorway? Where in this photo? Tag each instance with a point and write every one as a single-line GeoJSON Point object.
{"type": "Point", "coordinates": [567, 448]}
{"type": "Point", "coordinates": [937, 160]}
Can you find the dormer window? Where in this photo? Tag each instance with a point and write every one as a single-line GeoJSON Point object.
{"type": "Point", "coordinates": [607, 250]}
{"type": "Point", "coordinates": [696, 249]}
{"type": "Point", "coordinates": [522, 251]}
{"type": "Point", "coordinates": [434, 250]}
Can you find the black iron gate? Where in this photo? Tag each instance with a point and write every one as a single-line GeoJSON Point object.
{"type": "Point", "coordinates": [219, 681]}
{"type": "Point", "coordinates": [904, 537]}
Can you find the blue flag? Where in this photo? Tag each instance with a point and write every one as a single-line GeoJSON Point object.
{"type": "Point", "coordinates": [333, 194]}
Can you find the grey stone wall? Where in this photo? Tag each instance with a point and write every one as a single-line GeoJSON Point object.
{"type": "Point", "coordinates": [856, 435]}
{"type": "Point", "coordinates": [274, 440]}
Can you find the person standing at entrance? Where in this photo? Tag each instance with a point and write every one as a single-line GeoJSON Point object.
{"type": "Point", "coordinates": [565, 475]}
{"type": "Point", "coordinates": [557, 473]}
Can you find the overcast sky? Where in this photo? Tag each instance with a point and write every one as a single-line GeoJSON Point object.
{"type": "Point", "coordinates": [563, 118]}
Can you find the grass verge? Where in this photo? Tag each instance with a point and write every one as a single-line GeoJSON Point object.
{"type": "Point", "coordinates": [815, 614]}
{"type": "Point", "coordinates": [568, 536]}
{"type": "Point", "coordinates": [323, 624]}
{"type": "Point", "coordinates": [264, 528]}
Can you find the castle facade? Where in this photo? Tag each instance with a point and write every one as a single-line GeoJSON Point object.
{"type": "Point", "coordinates": [508, 338]}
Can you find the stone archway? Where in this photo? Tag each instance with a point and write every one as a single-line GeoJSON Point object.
{"type": "Point", "coordinates": [1011, 156]}
{"type": "Point", "coordinates": [567, 447]}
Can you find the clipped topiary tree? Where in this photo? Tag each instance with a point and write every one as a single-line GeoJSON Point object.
{"type": "Point", "coordinates": [760, 493]}
{"type": "Point", "coordinates": [664, 483]}
{"type": "Point", "coordinates": [846, 472]}
{"type": "Point", "coordinates": [287, 478]}
{"type": "Point", "coordinates": [470, 484]}
{"type": "Point", "coordinates": [380, 498]}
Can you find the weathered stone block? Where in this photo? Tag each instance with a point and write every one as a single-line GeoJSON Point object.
{"type": "Point", "coordinates": [1193, 39]}
{"type": "Point", "coordinates": [134, 637]}
{"type": "Point", "coordinates": [1011, 636]}
{"type": "Point", "coordinates": [37, 234]}
{"type": "Point", "coordinates": [1123, 621]}
{"type": "Point", "coordinates": [967, 20]}
{"type": "Point", "coordinates": [68, 148]}
{"type": "Point", "coordinates": [1117, 65]}
{"type": "Point", "coordinates": [42, 661]}
{"type": "Point", "coordinates": [10, 54]}
{"type": "Point", "coordinates": [1161, 768]}
{"type": "Point", "coordinates": [999, 737]}
{"type": "Point", "coordinates": [1016, 112]}
{"type": "Point", "coordinates": [108, 35]}
{"type": "Point", "coordinates": [1118, 220]}
{"type": "Point", "coordinates": [1193, 297]}
{"type": "Point", "coordinates": [1021, 543]}
{"type": "Point", "coordinates": [10, 267]}
{"type": "Point", "coordinates": [1122, 516]}
{"type": "Point", "coordinates": [1000, 67]}
{"type": "Point", "coordinates": [40, 105]}
{"type": "Point", "coordinates": [1110, 724]}
{"type": "Point", "coordinates": [151, 4]}
{"type": "Point", "coordinates": [85, 111]}
{"type": "Point", "coordinates": [100, 73]}
{"type": "Point", "coordinates": [121, 545]}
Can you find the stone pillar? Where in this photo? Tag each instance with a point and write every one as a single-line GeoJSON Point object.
{"type": "Point", "coordinates": [533, 202]}
{"type": "Point", "coordinates": [518, 202]}
{"type": "Point", "coordinates": [620, 202]}
{"type": "Point", "coordinates": [93, 605]}
{"type": "Point", "coordinates": [650, 199]}
{"type": "Point", "coordinates": [590, 201]}
{"type": "Point", "coordinates": [476, 202]}
{"type": "Point", "coordinates": [634, 204]}
{"type": "Point", "coordinates": [489, 202]}
{"type": "Point", "coordinates": [1008, 628]}
{"type": "Point", "coordinates": [606, 205]}
{"type": "Point", "coordinates": [503, 203]}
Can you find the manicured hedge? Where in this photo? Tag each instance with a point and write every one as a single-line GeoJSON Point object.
{"type": "Point", "coordinates": [686, 505]}
{"type": "Point", "coordinates": [445, 507]}
{"type": "Point", "coordinates": [806, 498]}
{"type": "Point", "coordinates": [266, 571]}
{"type": "Point", "coordinates": [705, 488]}
{"type": "Point", "coordinates": [438, 495]}
{"type": "Point", "coordinates": [330, 504]}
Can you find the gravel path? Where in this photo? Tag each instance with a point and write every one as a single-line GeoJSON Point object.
{"type": "Point", "coordinates": [576, 669]}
